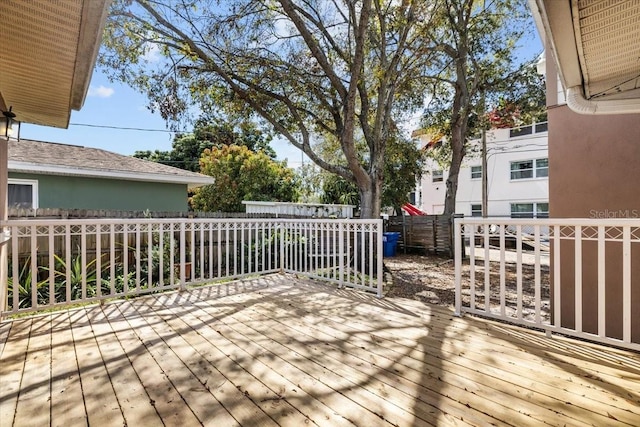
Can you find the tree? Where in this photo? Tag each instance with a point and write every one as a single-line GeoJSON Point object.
{"type": "Point", "coordinates": [403, 166]}
{"type": "Point", "coordinates": [207, 133]}
{"type": "Point", "coordinates": [476, 45]}
{"type": "Point", "coordinates": [318, 67]}
{"type": "Point", "coordinates": [240, 174]}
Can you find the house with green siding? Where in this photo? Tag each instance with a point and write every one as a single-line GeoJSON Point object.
{"type": "Point", "coordinates": [53, 175]}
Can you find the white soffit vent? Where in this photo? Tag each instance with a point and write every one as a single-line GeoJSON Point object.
{"type": "Point", "coordinates": [608, 34]}
{"type": "Point", "coordinates": [47, 56]}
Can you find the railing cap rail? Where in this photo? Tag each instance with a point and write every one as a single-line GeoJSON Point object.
{"type": "Point", "coordinates": [591, 222]}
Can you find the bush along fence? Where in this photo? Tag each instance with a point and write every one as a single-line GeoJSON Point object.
{"type": "Point", "coordinates": [63, 262]}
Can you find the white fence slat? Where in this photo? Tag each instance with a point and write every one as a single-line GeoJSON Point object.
{"type": "Point", "coordinates": [556, 240]}
{"type": "Point", "coordinates": [626, 284]}
{"type": "Point", "coordinates": [15, 267]}
{"type": "Point", "coordinates": [347, 252]}
{"type": "Point", "coordinates": [98, 258]}
{"type": "Point", "coordinates": [519, 270]}
{"type": "Point", "coordinates": [472, 269]}
{"type": "Point", "coordinates": [503, 278]}
{"type": "Point", "coordinates": [138, 242]}
{"type": "Point", "coordinates": [112, 259]}
{"type": "Point", "coordinates": [183, 255]}
{"type": "Point", "coordinates": [34, 266]}
{"type": "Point", "coordinates": [578, 277]}
{"type": "Point", "coordinates": [602, 316]}
{"type": "Point", "coordinates": [537, 278]}
{"type": "Point", "coordinates": [67, 260]}
{"type": "Point", "coordinates": [458, 241]}
{"type": "Point", "coordinates": [51, 264]}
{"type": "Point", "coordinates": [557, 319]}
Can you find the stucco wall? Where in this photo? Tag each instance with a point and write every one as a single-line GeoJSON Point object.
{"type": "Point", "coordinates": [594, 169]}
{"type": "Point", "coordinates": [70, 192]}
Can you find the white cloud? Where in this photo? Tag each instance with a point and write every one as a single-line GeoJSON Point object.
{"type": "Point", "coordinates": [100, 91]}
{"type": "Point", "coordinates": [152, 53]}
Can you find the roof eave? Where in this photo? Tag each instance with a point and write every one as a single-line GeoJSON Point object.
{"type": "Point", "coordinates": [37, 168]}
{"type": "Point", "coordinates": [560, 28]}
{"type": "Point", "coordinates": [94, 16]}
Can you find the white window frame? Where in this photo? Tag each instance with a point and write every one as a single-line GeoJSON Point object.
{"type": "Point", "coordinates": [477, 211]}
{"type": "Point", "coordinates": [539, 168]}
{"type": "Point", "coordinates": [476, 172]}
{"type": "Point", "coordinates": [437, 175]}
{"type": "Point", "coordinates": [535, 169]}
{"type": "Point", "coordinates": [535, 211]}
{"type": "Point", "coordinates": [34, 189]}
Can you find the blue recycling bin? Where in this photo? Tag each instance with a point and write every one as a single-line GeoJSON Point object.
{"type": "Point", "coordinates": [389, 243]}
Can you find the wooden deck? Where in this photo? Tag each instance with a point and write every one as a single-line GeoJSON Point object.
{"type": "Point", "coordinates": [285, 351]}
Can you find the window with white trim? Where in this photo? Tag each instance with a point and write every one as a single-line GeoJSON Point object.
{"type": "Point", "coordinates": [23, 193]}
{"type": "Point", "coordinates": [529, 210]}
{"type": "Point", "coordinates": [542, 168]}
{"type": "Point", "coordinates": [437, 176]}
{"type": "Point", "coordinates": [476, 210]}
{"type": "Point", "coordinates": [526, 169]}
{"type": "Point", "coordinates": [476, 172]}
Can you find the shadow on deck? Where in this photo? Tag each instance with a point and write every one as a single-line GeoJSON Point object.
{"type": "Point", "coordinates": [280, 350]}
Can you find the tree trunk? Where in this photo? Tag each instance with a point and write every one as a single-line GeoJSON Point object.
{"type": "Point", "coordinates": [457, 147]}
{"type": "Point", "coordinates": [371, 199]}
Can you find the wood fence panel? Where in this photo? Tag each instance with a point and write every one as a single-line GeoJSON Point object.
{"type": "Point", "coordinates": [429, 232]}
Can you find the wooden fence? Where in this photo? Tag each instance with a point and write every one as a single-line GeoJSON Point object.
{"type": "Point", "coordinates": [56, 213]}
{"type": "Point", "coordinates": [431, 233]}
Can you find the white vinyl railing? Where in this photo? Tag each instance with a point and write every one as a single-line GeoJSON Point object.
{"type": "Point", "coordinates": [570, 276]}
{"type": "Point", "coordinates": [55, 263]}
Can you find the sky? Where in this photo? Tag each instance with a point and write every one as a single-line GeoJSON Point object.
{"type": "Point", "coordinates": [115, 105]}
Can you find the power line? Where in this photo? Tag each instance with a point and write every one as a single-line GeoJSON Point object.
{"type": "Point", "coordinates": [127, 128]}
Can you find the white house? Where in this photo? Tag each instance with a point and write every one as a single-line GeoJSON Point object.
{"type": "Point", "coordinates": [518, 176]}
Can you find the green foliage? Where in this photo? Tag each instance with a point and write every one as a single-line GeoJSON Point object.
{"type": "Point", "coordinates": [93, 277]}
{"type": "Point", "coordinates": [188, 148]}
{"type": "Point", "coordinates": [311, 69]}
{"type": "Point", "coordinates": [241, 174]}
{"type": "Point", "coordinates": [337, 190]}
{"type": "Point", "coordinates": [474, 68]}
{"type": "Point", "coordinates": [24, 287]}
{"type": "Point", "coordinates": [403, 166]}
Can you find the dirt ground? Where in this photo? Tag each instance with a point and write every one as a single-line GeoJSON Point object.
{"type": "Point", "coordinates": [430, 279]}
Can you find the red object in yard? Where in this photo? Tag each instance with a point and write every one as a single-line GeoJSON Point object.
{"type": "Point", "coordinates": [412, 210]}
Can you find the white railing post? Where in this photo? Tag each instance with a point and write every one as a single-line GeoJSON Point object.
{"type": "Point", "coordinates": [626, 284]}
{"type": "Point", "coordinates": [457, 250]}
{"type": "Point", "coordinates": [183, 257]}
{"type": "Point", "coordinates": [602, 318]}
{"type": "Point", "coordinates": [341, 255]}
{"type": "Point", "coordinates": [379, 252]}
{"type": "Point", "coordinates": [557, 301]}
{"type": "Point", "coordinates": [578, 278]}
{"type": "Point", "coordinates": [281, 227]}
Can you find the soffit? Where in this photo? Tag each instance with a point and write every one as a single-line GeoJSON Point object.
{"type": "Point", "coordinates": [47, 56]}
{"type": "Point", "coordinates": [596, 44]}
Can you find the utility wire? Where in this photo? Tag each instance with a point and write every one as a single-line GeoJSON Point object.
{"type": "Point", "coordinates": [127, 128]}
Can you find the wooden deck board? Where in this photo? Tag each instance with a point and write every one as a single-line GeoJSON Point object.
{"type": "Point", "coordinates": [12, 369]}
{"type": "Point", "coordinates": [100, 400]}
{"type": "Point", "coordinates": [506, 376]}
{"type": "Point", "coordinates": [134, 401]}
{"type": "Point", "coordinates": [279, 350]}
{"type": "Point", "coordinates": [66, 390]}
{"type": "Point", "coordinates": [35, 386]}
{"type": "Point", "coordinates": [408, 386]}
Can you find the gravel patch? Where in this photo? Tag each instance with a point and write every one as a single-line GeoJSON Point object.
{"type": "Point", "coordinates": [430, 279]}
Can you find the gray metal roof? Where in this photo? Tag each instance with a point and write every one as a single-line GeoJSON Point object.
{"type": "Point", "coordinates": [64, 159]}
